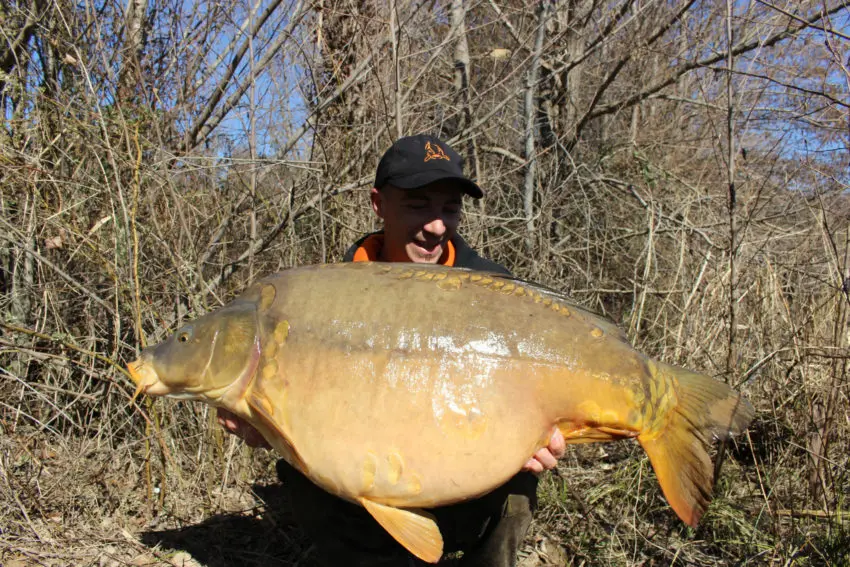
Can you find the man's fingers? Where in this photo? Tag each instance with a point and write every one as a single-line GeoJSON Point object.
{"type": "Point", "coordinates": [557, 444]}
{"type": "Point", "coordinates": [546, 459]}
{"type": "Point", "coordinates": [228, 422]}
{"type": "Point", "coordinates": [233, 424]}
{"type": "Point", "coordinates": [534, 466]}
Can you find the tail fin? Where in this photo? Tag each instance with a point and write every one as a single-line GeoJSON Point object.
{"type": "Point", "coordinates": [679, 451]}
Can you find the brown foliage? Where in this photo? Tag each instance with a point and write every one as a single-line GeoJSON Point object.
{"type": "Point", "coordinates": [153, 162]}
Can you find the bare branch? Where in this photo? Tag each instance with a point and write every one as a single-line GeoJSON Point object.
{"type": "Point", "coordinates": [742, 48]}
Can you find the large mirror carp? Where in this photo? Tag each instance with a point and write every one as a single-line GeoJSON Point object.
{"type": "Point", "coordinates": [408, 386]}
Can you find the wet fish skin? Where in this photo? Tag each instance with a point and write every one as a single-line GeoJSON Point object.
{"type": "Point", "coordinates": [403, 386]}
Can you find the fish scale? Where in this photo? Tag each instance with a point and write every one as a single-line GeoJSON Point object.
{"type": "Point", "coordinates": [406, 387]}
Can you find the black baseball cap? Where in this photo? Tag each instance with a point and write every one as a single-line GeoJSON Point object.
{"type": "Point", "coordinates": [415, 161]}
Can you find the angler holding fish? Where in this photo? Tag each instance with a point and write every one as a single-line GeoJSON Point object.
{"type": "Point", "coordinates": [405, 389]}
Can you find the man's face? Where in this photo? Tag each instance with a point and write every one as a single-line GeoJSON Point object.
{"type": "Point", "coordinates": [418, 223]}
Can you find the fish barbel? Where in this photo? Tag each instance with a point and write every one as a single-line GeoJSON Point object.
{"type": "Point", "coordinates": [404, 386]}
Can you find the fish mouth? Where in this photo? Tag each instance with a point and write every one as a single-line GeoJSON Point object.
{"type": "Point", "coordinates": [146, 379]}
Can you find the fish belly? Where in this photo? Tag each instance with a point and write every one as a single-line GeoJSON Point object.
{"type": "Point", "coordinates": [423, 431]}
{"type": "Point", "coordinates": [410, 431]}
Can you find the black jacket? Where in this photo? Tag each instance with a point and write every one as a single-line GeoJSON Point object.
{"type": "Point", "coordinates": [465, 257]}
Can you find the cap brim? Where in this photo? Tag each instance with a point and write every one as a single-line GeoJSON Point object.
{"type": "Point", "coordinates": [425, 177]}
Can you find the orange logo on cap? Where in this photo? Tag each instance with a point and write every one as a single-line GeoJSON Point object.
{"type": "Point", "coordinates": [434, 152]}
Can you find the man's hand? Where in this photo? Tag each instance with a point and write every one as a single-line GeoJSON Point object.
{"type": "Point", "coordinates": [547, 458]}
{"type": "Point", "coordinates": [241, 429]}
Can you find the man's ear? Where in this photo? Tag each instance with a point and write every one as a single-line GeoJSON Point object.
{"type": "Point", "coordinates": [377, 201]}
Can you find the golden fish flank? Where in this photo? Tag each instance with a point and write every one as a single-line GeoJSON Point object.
{"type": "Point", "coordinates": [414, 484]}
{"type": "Point", "coordinates": [390, 470]}
{"type": "Point", "coordinates": [267, 296]}
{"type": "Point", "coordinates": [395, 467]}
{"type": "Point", "coordinates": [269, 371]}
{"type": "Point", "coordinates": [338, 369]}
{"type": "Point", "coordinates": [594, 413]}
{"type": "Point", "coordinates": [266, 404]}
{"type": "Point", "coordinates": [269, 349]}
{"type": "Point", "coordinates": [450, 284]}
{"type": "Point", "coordinates": [370, 469]}
{"type": "Point", "coordinates": [459, 415]}
{"type": "Point", "coordinates": [455, 282]}
{"type": "Point", "coordinates": [281, 331]}
{"type": "Point", "coordinates": [590, 411]}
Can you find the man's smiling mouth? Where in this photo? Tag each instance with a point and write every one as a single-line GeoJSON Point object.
{"type": "Point", "coordinates": [429, 247]}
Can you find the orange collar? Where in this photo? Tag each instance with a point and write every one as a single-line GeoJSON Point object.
{"type": "Point", "coordinates": [370, 250]}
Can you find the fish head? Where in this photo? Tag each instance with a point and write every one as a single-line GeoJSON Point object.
{"type": "Point", "coordinates": [204, 359]}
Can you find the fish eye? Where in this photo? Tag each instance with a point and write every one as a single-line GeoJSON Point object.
{"type": "Point", "coordinates": [184, 336]}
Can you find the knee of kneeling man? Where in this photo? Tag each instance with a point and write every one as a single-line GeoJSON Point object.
{"type": "Point", "coordinates": [519, 505]}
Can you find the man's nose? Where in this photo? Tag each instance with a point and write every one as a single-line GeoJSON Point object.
{"type": "Point", "coordinates": [436, 226]}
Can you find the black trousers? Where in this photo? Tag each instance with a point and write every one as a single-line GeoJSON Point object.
{"type": "Point", "coordinates": [488, 531]}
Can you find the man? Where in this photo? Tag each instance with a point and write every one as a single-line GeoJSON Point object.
{"type": "Point", "coordinates": [418, 192]}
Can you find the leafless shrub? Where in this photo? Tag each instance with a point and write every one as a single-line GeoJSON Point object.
{"type": "Point", "coordinates": [158, 156]}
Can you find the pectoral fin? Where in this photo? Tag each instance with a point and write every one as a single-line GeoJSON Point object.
{"type": "Point", "coordinates": [279, 439]}
{"type": "Point", "coordinates": [415, 530]}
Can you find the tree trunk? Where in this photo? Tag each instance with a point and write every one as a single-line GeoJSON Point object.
{"type": "Point", "coordinates": [732, 358]}
{"type": "Point", "coordinates": [461, 70]}
{"type": "Point", "coordinates": [134, 28]}
{"type": "Point", "coordinates": [570, 80]}
{"type": "Point", "coordinates": [529, 106]}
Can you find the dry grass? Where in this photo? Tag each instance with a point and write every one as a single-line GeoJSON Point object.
{"type": "Point", "coordinates": [89, 480]}
{"type": "Point", "coordinates": [115, 228]}
{"type": "Point", "coordinates": [75, 503]}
